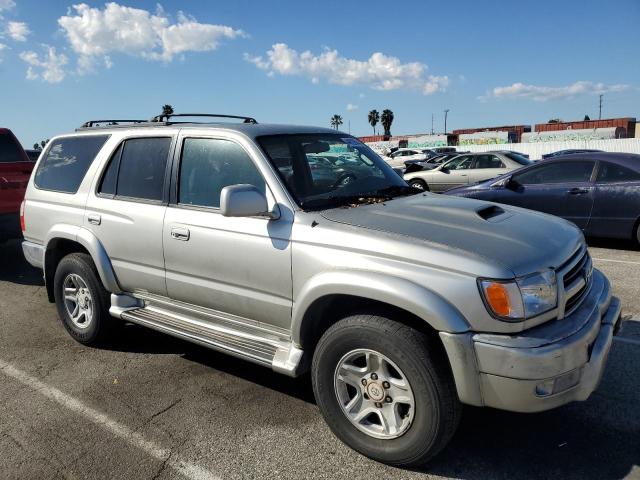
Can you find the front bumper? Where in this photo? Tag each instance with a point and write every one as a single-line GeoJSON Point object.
{"type": "Point", "coordinates": [542, 368]}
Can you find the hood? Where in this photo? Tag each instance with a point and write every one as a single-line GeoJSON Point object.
{"type": "Point", "coordinates": [519, 240]}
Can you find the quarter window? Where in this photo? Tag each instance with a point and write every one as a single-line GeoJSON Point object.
{"type": "Point", "coordinates": [208, 165]}
{"type": "Point", "coordinates": [612, 173]}
{"type": "Point", "coordinates": [67, 161]}
{"type": "Point", "coordinates": [561, 172]}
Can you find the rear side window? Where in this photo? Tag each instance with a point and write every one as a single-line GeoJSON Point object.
{"type": "Point", "coordinates": [561, 172]}
{"type": "Point", "coordinates": [137, 169]}
{"type": "Point", "coordinates": [488, 161]}
{"type": "Point", "coordinates": [67, 161]}
{"type": "Point", "coordinates": [612, 173]}
{"type": "Point", "coordinates": [9, 149]}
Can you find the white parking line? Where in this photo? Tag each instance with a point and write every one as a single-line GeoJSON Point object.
{"type": "Point", "coordinates": [188, 470]}
{"type": "Point", "coordinates": [629, 262]}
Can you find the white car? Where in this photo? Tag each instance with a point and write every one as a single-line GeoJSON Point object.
{"type": "Point", "coordinates": [397, 158]}
{"type": "Point", "coordinates": [465, 169]}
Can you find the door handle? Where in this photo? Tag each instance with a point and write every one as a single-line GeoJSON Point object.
{"type": "Point", "coordinates": [577, 191]}
{"type": "Point", "coordinates": [180, 234]}
{"type": "Point", "coordinates": [94, 219]}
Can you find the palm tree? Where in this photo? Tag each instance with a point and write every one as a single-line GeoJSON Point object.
{"type": "Point", "coordinates": [374, 118]}
{"type": "Point", "coordinates": [336, 121]}
{"type": "Point", "coordinates": [167, 109]}
{"type": "Point", "coordinates": [386, 119]}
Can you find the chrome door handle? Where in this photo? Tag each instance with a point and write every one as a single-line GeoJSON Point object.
{"type": "Point", "coordinates": [94, 219]}
{"type": "Point", "coordinates": [180, 234]}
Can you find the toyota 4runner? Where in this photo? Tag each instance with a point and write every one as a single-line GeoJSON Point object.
{"type": "Point", "coordinates": [301, 250]}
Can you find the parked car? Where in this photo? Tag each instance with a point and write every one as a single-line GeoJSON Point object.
{"type": "Point", "coordinates": [398, 157]}
{"type": "Point", "coordinates": [15, 169]}
{"type": "Point", "coordinates": [568, 152]}
{"type": "Point", "coordinates": [599, 192]}
{"type": "Point", "coordinates": [401, 304]}
{"type": "Point", "coordinates": [33, 154]}
{"type": "Point", "coordinates": [465, 169]}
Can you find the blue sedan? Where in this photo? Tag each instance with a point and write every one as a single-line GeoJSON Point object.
{"type": "Point", "coordinates": [599, 192]}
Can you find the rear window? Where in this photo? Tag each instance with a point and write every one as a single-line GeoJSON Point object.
{"type": "Point", "coordinates": [612, 173]}
{"type": "Point", "coordinates": [518, 158]}
{"type": "Point", "coordinates": [9, 149]}
{"type": "Point", "coordinates": [67, 162]}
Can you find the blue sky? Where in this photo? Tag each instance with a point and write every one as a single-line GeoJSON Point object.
{"type": "Point", "coordinates": [490, 63]}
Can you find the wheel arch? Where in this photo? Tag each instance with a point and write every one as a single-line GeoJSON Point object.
{"type": "Point", "coordinates": [65, 239]}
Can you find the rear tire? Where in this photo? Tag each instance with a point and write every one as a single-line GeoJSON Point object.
{"type": "Point", "coordinates": [427, 413]}
{"type": "Point", "coordinates": [81, 299]}
{"type": "Point", "coordinates": [420, 184]}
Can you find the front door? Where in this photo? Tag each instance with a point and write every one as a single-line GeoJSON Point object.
{"type": "Point", "coordinates": [239, 266]}
{"type": "Point", "coordinates": [564, 189]}
{"type": "Point", "coordinates": [454, 173]}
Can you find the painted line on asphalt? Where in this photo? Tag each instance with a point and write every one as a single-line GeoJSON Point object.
{"type": "Point", "coordinates": [187, 469]}
{"type": "Point", "coordinates": [629, 262]}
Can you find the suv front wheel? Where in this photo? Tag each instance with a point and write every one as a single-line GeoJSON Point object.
{"type": "Point", "coordinates": [385, 390]}
{"type": "Point", "coordinates": [82, 301]}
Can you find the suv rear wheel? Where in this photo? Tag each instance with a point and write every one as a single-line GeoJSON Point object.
{"type": "Point", "coordinates": [385, 390]}
{"type": "Point", "coordinates": [82, 301]}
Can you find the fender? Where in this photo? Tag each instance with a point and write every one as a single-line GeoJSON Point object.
{"type": "Point", "coordinates": [89, 241]}
{"type": "Point", "coordinates": [396, 291]}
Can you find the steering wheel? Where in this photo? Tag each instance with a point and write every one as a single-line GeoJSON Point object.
{"type": "Point", "coordinates": [344, 180]}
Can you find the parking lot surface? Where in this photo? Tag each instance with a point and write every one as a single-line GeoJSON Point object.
{"type": "Point", "coordinates": [151, 406]}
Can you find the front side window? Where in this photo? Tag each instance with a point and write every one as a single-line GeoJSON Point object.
{"type": "Point", "coordinates": [137, 169]}
{"type": "Point", "coordinates": [67, 161]}
{"type": "Point", "coordinates": [612, 173]}
{"type": "Point", "coordinates": [208, 165]}
{"type": "Point", "coordinates": [327, 170]}
{"type": "Point", "coordinates": [561, 172]}
{"type": "Point", "coordinates": [459, 163]}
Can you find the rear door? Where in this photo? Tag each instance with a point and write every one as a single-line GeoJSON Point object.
{"type": "Point", "coordinates": [486, 166]}
{"type": "Point", "coordinates": [616, 206]}
{"type": "Point", "coordinates": [562, 188]}
{"type": "Point", "coordinates": [126, 211]}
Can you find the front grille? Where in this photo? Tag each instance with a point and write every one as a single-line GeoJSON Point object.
{"type": "Point", "coordinates": [576, 281]}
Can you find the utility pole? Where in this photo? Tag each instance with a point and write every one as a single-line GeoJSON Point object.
{"type": "Point", "coordinates": [432, 124]}
{"type": "Point", "coordinates": [445, 120]}
{"type": "Point", "coordinates": [600, 108]}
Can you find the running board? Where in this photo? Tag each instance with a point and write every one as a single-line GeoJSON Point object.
{"type": "Point", "coordinates": [281, 355]}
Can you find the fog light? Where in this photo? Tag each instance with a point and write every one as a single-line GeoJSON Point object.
{"type": "Point", "coordinates": [558, 384]}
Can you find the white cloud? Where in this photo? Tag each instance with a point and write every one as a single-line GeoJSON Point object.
{"type": "Point", "coordinates": [543, 93]}
{"type": "Point", "coordinates": [49, 67]}
{"type": "Point", "coordinates": [351, 107]}
{"type": "Point", "coordinates": [18, 31]}
{"type": "Point", "coordinates": [379, 71]}
{"type": "Point", "coordinates": [2, 47]}
{"type": "Point", "coordinates": [6, 5]}
{"type": "Point", "coordinates": [95, 33]}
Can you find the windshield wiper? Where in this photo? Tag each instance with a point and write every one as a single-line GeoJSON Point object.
{"type": "Point", "coordinates": [397, 191]}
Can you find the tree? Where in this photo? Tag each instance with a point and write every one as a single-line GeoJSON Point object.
{"type": "Point", "coordinates": [586, 118]}
{"type": "Point", "coordinates": [43, 143]}
{"type": "Point", "coordinates": [555, 120]}
{"type": "Point", "coordinates": [386, 119]}
{"type": "Point", "coordinates": [167, 109]}
{"type": "Point", "coordinates": [336, 121]}
{"type": "Point", "coordinates": [374, 118]}
{"type": "Point", "coordinates": [36, 146]}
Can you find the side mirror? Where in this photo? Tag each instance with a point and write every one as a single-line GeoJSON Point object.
{"type": "Point", "coordinates": [444, 170]}
{"type": "Point", "coordinates": [244, 200]}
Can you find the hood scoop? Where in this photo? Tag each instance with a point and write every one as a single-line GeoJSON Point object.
{"type": "Point", "coordinates": [491, 212]}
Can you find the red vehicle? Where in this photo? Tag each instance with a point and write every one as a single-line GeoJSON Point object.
{"type": "Point", "coordinates": [15, 170]}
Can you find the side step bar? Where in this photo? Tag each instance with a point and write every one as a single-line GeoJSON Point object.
{"type": "Point", "coordinates": [281, 355]}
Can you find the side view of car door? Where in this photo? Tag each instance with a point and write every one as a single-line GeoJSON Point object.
{"type": "Point", "coordinates": [486, 167]}
{"type": "Point", "coordinates": [455, 173]}
{"type": "Point", "coordinates": [240, 266]}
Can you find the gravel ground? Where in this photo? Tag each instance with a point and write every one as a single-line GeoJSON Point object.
{"type": "Point", "coordinates": [151, 406]}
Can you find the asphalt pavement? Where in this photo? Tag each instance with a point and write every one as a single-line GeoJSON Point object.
{"type": "Point", "coordinates": [153, 407]}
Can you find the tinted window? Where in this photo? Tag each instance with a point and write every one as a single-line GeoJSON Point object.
{"type": "Point", "coordinates": [209, 165]}
{"type": "Point", "coordinates": [518, 158]}
{"type": "Point", "coordinates": [561, 172]}
{"type": "Point", "coordinates": [488, 161]}
{"type": "Point", "coordinates": [9, 149]}
{"type": "Point", "coordinates": [67, 161]}
{"type": "Point", "coordinates": [142, 168]}
{"type": "Point", "coordinates": [109, 179]}
{"type": "Point", "coordinates": [462, 162]}
{"type": "Point", "coordinates": [610, 172]}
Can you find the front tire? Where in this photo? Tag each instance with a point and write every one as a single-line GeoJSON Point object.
{"type": "Point", "coordinates": [385, 390]}
{"type": "Point", "coordinates": [81, 299]}
{"type": "Point", "coordinates": [419, 184]}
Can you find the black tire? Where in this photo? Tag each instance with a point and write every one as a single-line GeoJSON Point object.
{"type": "Point", "coordinates": [418, 183]}
{"type": "Point", "coordinates": [425, 366]}
{"type": "Point", "coordinates": [101, 324]}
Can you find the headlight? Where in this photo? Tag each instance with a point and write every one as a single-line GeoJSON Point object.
{"type": "Point", "coordinates": [522, 298]}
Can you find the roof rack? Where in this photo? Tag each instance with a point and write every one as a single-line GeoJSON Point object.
{"type": "Point", "coordinates": [166, 117]}
{"type": "Point", "coordinates": [93, 123]}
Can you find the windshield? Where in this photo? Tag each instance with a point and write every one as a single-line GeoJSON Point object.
{"type": "Point", "coordinates": [518, 158]}
{"type": "Point", "coordinates": [326, 171]}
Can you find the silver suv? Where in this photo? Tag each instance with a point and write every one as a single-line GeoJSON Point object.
{"type": "Point", "coordinates": [301, 250]}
